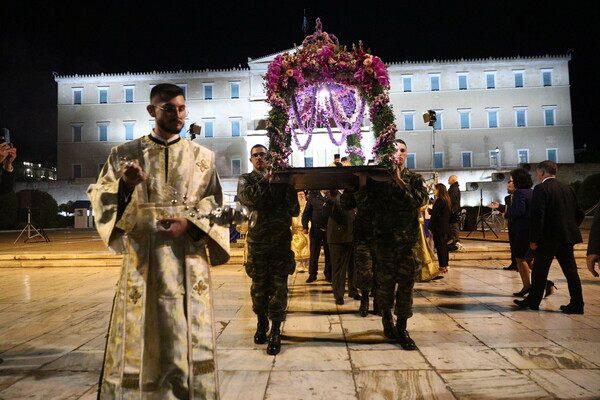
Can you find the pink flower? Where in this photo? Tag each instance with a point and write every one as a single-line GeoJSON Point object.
{"type": "Point", "coordinates": [367, 62]}
{"type": "Point", "coordinates": [369, 70]}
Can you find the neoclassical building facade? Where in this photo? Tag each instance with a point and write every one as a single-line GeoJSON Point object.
{"type": "Point", "coordinates": [493, 113]}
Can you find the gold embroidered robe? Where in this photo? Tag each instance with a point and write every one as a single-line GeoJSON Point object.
{"type": "Point", "coordinates": [161, 342]}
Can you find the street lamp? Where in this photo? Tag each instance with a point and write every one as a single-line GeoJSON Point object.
{"type": "Point", "coordinates": [430, 118]}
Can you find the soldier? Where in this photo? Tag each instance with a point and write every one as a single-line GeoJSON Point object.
{"type": "Point", "coordinates": [395, 208]}
{"type": "Point", "coordinates": [364, 248]}
{"type": "Point", "coordinates": [270, 258]}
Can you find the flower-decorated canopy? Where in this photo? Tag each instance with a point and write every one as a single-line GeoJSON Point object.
{"type": "Point", "coordinates": [322, 81]}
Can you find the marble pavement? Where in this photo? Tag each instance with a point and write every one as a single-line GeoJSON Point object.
{"type": "Point", "coordinates": [473, 344]}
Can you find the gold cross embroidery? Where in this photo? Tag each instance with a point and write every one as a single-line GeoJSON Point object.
{"type": "Point", "coordinates": [134, 295]}
{"type": "Point", "coordinates": [203, 165]}
{"type": "Point", "coordinates": [200, 287]}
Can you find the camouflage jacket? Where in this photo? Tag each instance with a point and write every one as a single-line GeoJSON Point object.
{"type": "Point", "coordinates": [275, 204]}
{"type": "Point", "coordinates": [394, 211]}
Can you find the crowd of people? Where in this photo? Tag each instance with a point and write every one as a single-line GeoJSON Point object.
{"type": "Point", "coordinates": [153, 201]}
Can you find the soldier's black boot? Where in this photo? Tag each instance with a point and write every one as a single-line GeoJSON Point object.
{"type": "Point", "coordinates": [274, 345]}
{"type": "Point", "coordinates": [403, 337]}
{"type": "Point", "coordinates": [388, 324]}
{"type": "Point", "coordinates": [260, 337]}
{"type": "Point", "coordinates": [363, 310]}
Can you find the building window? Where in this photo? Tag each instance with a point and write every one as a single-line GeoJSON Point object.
{"type": "Point", "coordinates": [411, 161]}
{"type": "Point", "coordinates": [308, 162]}
{"type": "Point", "coordinates": [490, 79]}
{"type": "Point", "coordinates": [409, 122]}
{"type": "Point", "coordinates": [235, 90]}
{"type": "Point", "coordinates": [463, 82]}
{"type": "Point", "coordinates": [465, 119]}
{"type": "Point", "coordinates": [407, 83]}
{"type": "Point", "coordinates": [438, 159]}
{"type": "Point", "coordinates": [521, 117]}
{"type": "Point", "coordinates": [547, 77]}
{"type": "Point", "coordinates": [492, 119]}
{"type": "Point", "coordinates": [77, 129]}
{"type": "Point", "coordinates": [493, 158]}
{"type": "Point", "coordinates": [235, 127]}
{"type": "Point", "coordinates": [552, 155]}
{"type": "Point", "coordinates": [103, 133]}
{"type": "Point", "coordinates": [77, 94]}
{"type": "Point", "coordinates": [236, 166]}
{"type": "Point", "coordinates": [434, 82]}
{"type": "Point", "coordinates": [129, 94]}
{"type": "Point", "coordinates": [549, 116]}
{"type": "Point", "coordinates": [183, 87]}
{"type": "Point", "coordinates": [523, 156]}
{"type": "Point", "coordinates": [128, 131]}
{"type": "Point", "coordinates": [102, 95]}
{"type": "Point", "coordinates": [519, 78]}
{"type": "Point", "coordinates": [209, 128]}
{"type": "Point", "coordinates": [208, 91]}
{"type": "Point", "coordinates": [76, 170]}
{"type": "Point", "coordinates": [467, 159]}
{"type": "Point", "coordinates": [438, 123]}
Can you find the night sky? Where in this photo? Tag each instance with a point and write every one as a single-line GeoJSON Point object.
{"type": "Point", "coordinates": [84, 37]}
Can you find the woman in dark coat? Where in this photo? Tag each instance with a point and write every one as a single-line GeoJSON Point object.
{"type": "Point", "coordinates": [520, 214]}
{"type": "Point", "coordinates": [439, 225]}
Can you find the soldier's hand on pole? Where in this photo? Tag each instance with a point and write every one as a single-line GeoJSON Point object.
{"type": "Point", "coordinates": [396, 178]}
{"type": "Point", "coordinates": [494, 205]}
{"type": "Point", "coordinates": [133, 174]}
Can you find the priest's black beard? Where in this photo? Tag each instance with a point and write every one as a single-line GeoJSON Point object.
{"type": "Point", "coordinates": [165, 128]}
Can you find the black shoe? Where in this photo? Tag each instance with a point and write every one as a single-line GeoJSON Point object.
{"type": "Point", "coordinates": [363, 310]}
{"type": "Point", "coordinates": [525, 304]}
{"type": "Point", "coordinates": [311, 278]}
{"type": "Point", "coordinates": [550, 288]}
{"type": "Point", "coordinates": [511, 267]}
{"type": "Point", "coordinates": [339, 302]}
{"type": "Point", "coordinates": [388, 324]}
{"type": "Point", "coordinates": [260, 337]}
{"type": "Point", "coordinates": [523, 292]}
{"type": "Point", "coordinates": [571, 309]}
{"type": "Point", "coordinates": [274, 346]}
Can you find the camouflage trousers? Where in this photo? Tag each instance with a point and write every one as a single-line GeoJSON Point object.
{"type": "Point", "coordinates": [396, 272]}
{"type": "Point", "coordinates": [269, 264]}
{"type": "Point", "coordinates": [364, 254]}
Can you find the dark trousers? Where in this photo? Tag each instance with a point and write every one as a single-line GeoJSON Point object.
{"type": "Point", "coordinates": [440, 241]}
{"type": "Point", "coordinates": [544, 255]}
{"type": "Point", "coordinates": [342, 255]}
{"type": "Point", "coordinates": [318, 239]}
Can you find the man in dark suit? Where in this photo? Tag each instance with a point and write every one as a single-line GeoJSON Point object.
{"type": "Point", "coordinates": [555, 219]}
{"type": "Point", "coordinates": [593, 250]}
{"type": "Point", "coordinates": [340, 242]}
{"type": "Point", "coordinates": [313, 213]}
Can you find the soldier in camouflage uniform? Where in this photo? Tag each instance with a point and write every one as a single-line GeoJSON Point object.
{"type": "Point", "coordinates": [395, 207]}
{"type": "Point", "coordinates": [364, 248]}
{"type": "Point", "coordinates": [270, 258]}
